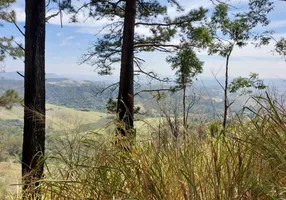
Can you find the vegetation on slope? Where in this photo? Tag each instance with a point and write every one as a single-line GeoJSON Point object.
{"type": "Point", "coordinates": [248, 163]}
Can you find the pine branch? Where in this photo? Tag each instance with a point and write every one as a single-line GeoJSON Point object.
{"type": "Point", "coordinates": [14, 22]}
{"type": "Point", "coordinates": [53, 15]}
{"type": "Point", "coordinates": [20, 74]}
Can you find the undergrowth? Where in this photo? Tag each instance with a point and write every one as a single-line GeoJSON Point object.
{"type": "Point", "coordinates": [249, 162]}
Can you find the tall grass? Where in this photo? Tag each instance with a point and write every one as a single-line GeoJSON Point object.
{"type": "Point", "coordinates": [248, 163]}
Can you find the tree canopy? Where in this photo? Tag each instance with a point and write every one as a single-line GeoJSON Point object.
{"type": "Point", "coordinates": [8, 47]}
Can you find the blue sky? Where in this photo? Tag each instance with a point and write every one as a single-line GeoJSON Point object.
{"type": "Point", "coordinates": [64, 46]}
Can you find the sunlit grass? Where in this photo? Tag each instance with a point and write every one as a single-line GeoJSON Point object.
{"type": "Point", "coordinates": [249, 162]}
{"type": "Point", "coordinates": [10, 178]}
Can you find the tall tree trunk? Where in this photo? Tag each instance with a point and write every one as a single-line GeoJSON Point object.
{"type": "Point", "coordinates": [226, 106]}
{"type": "Point", "coordinates": [126, 87]}
{"type": "Point", "coordinates": [34, 98]}
{"type": "Point", "coordinates": [184, 107]}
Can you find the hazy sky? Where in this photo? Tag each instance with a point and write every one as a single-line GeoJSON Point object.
{"type": "Point", "coordinates": [64, 46]}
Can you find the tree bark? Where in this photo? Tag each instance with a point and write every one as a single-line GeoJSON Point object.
{"type": "Point", "coordinates": [226, 106]}
{"type": "Point", "coordinates": [34, 97]}
{"type": "Point", "coordinates": [184, 107]}
{"type": "Point", "coordinates": [126, 86]}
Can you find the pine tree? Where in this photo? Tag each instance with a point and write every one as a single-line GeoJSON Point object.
{"type": "Point", "coordinates": [34, 98]}
{"type": "Point", "coordinates": [7, 49]}
{"type": "Point", "coordinates": [9, 98]}
{"type": "Point", "coordinates": [122, 43]}
{"type": "Point", "coordinates": [187, 67]}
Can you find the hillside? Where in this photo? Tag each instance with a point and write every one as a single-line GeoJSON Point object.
{"type": "Point", "coordinates": [57, 116]}
{"type": "Point", "coordinates": [61, 122]}
{"type": "Point", "coordinates": [87, 95]}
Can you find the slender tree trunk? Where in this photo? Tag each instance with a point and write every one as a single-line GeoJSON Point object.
{"type": "Point", "coordinates": [226, 106]}
{"type": "Point", "coordinates": [126, 87]}
{"type": "Point", "coordinates": [184, 106]}
{"type": "Point", "coordinates": [184, 110]}
{"type": "Point", "coordinates": [34, 98]}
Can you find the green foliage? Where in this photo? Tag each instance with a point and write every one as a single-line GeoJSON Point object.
{"type": "Point", "coordinates": [246, 83]}
{"type": "Point", "coordinates": [214, 128]}
{"type": "Point", "coordinates": [67, 93]}
{"type": "Point", "coordinates": [13, 127]}
{"type": "Point", "coordinates": [10, 139]}
{"type": "Point", "coordinates": [280, 47]}
{"type": "Point", "coordinates": [238, 29]}
{"type": "Point", "coordinates": [265, 39]}
{"type": "Point", "coordinates": [152, 15]}
{"type": "Point", "coordinates": [187, 66]}
{"type": "Point", "coordinates": [5, 13]}
{"type": "Point", "coordinates": [111, 105]}
{"type": "Point", "coordinates": [107, 49]}
{"type": "Point", "coordinates": [6, 43]}
{"type": "Point", "coordinates": [8, 49]}
{"type": "Point", "coordinates": [234, 31]}
{"type": "Point", "coordinates": [258, 11]}
{"type": "Point", "coordinates": [9, 98]}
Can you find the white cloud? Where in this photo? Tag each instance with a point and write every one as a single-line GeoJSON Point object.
{"type": "Point", "coordinates": [59, 34]}
{"type": "Point", "coordinates": [88, 30]}
{"type": "Point", "coordinates": [265, 52]}
{"type": "Point", "coordinates": [277, 24]}
{"type": "Point", "coordinates": [66, 40]}
{"type": "Point", "coordinates": [20, 14]}
{"type": "Point", "coordinates": [265, 69]}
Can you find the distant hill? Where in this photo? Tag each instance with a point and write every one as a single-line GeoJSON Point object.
{"type": "Point", "coordinates": [80, 95]}
{"type": "Point", "coordinates": [85, 95]}
{"type": "Point", "coordinates": [94, 77]}
{"type": "Point", "coordinates": [16, 76]}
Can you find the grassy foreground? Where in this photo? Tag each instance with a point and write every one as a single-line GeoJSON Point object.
{"type": "Point", "coordinates": [249, 162]}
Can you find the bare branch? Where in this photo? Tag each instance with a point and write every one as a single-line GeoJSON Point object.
{"type": "Point", "coordinates": [149, 74]}
{"type": "Point", "coordinates": [152, 90]}
{"type": "Point", "coordinates": [20, 74]}
{"type": "Point", "coordinates": [215, 111]}
{"type": "Point", "coordinates": [138, 45]}
{"type": "Point", "coordinates": [14, 22]}
{"type": "Point", "coordinates": [217, 80]}
{"type": "Point", "coordinates": [100, 91]}
{"type": "Point", "coordinates": [161, 24]}
{"type": "Point", "coordinates": [190, 105]}
{"type": "Point", "coordinates": [215, 2]}
{"type": "Point", "coordinates": [53, 15]}
{"type": "Point", "coordinates": [20, 46]}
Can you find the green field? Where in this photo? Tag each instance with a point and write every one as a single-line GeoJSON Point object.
{"type": "Point", "coordinates": [59, 120]}
{"type": "Point", "coordinates": [57, 116]}
{"type": "Point", "coordinates": [62, 122]}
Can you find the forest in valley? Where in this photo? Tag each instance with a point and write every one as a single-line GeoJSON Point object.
{"type": "Point", "coordinates": [139, 133]}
